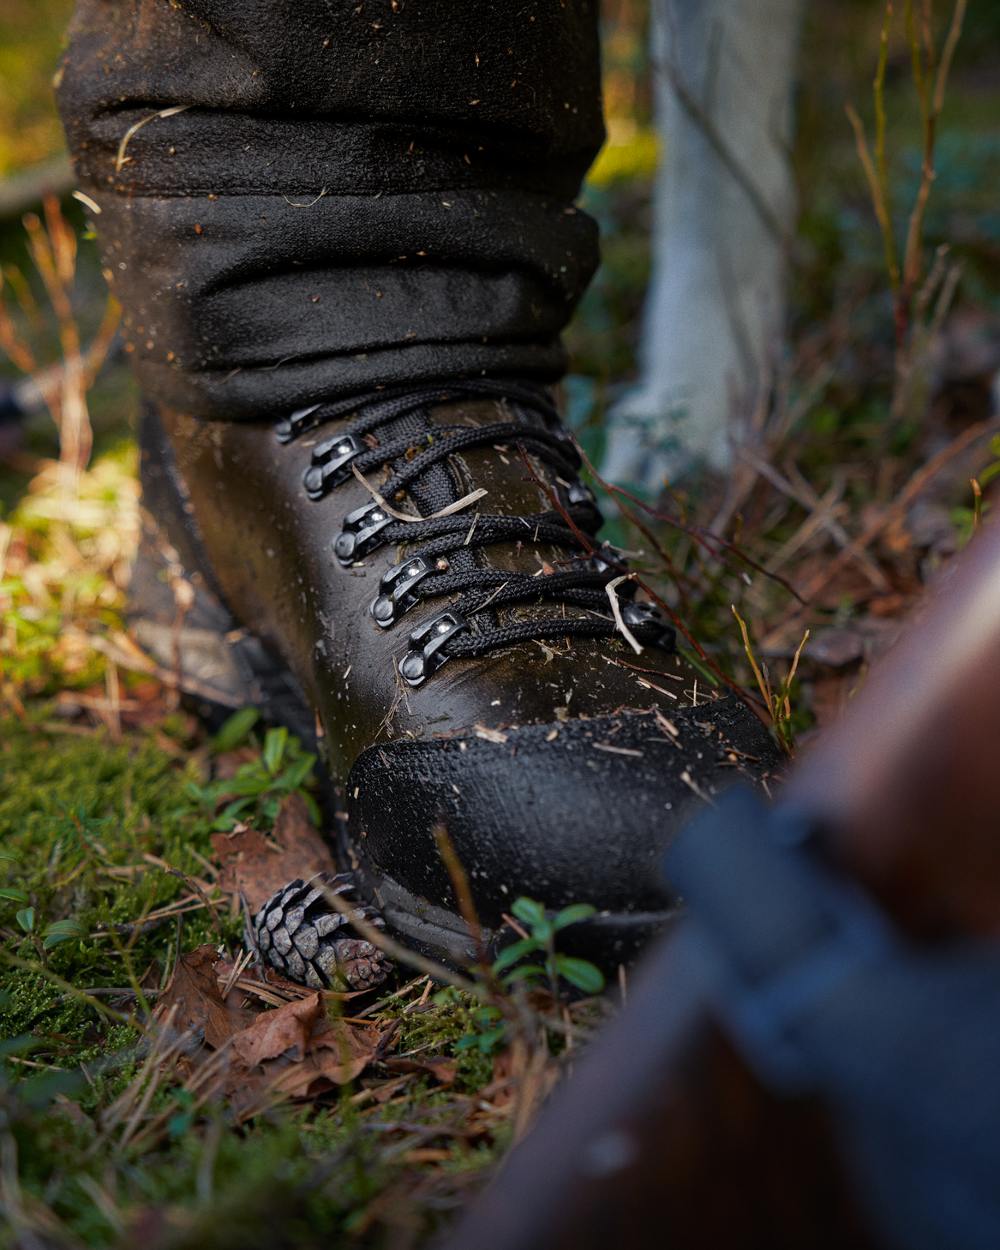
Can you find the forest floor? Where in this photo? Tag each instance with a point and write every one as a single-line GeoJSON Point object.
{"type": "Point", "coordinates": [155, 1087]}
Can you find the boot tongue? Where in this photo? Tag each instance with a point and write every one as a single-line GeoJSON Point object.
{"type": "Point", "coordinates": [518, 484]}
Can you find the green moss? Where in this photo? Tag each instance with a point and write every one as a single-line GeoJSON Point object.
{"type": "Point", "coordinates": [79, 815]}
{"type": "Point", "coordinates": [436, 1029]}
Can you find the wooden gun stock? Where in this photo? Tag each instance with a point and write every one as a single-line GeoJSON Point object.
{"type": "Point", "coordinates": [663, 1136]}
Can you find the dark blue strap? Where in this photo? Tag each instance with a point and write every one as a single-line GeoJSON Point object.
{"type": "Point", "coordinates": [821, 995]}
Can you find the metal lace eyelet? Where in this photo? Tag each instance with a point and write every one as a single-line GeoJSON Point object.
{"type": "Point", "coordinates": [331, 464]}
{"type": "Point", "coordinates": [579, 495]}
{"type": "Point", "coordinates": [639, 614]}
{"type": "Point", "coordinates": [360, 531]}
{"type": "Point", "coordinates": [605, 558]}
{"type": "Point", "coordinates": [397, 590]}
{"type": "Point", "coordinates": [427, 647]}
{"type": "Point", "coordinates": [295, 423]}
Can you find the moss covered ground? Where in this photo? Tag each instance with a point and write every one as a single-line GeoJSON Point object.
{"type": "Point", "coordinates": [94, 827]}
{"type": "Point", "coordinates": [109, 795]}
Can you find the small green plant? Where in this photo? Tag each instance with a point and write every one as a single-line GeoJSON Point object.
{"type": "Point", "coordinates": [489, 1031]}
{"type": "Point", "coordinates": [68, 930]}
{"type": "Point", "coordinates": [256, 790]}
{"type": "Point", "coordinates": [236, 730]}
{"type": "Point", "coordinates": [545, 965]}
{"type": "Point", "coordinates": [540, 945]}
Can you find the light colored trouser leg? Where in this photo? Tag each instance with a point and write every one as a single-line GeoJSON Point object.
{"type": "Point", "coordinates": [715, 309]}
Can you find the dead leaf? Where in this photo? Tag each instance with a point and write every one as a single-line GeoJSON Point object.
{"type": "Point", "coordinates": [442, 1070]}
{"type": "Point", "coordinates": [384, 1091]}
{"type": "Point", "coordinates": [338, 1055]}
{"type": "Point", "coordinates": [285, 1031]}
{"type": "Point", "coordinates": [194, 988]}
{"type": "Point", "coordinates": [335, 1053]}
{"type": "Point", "coordinates": [257, 865]}
{"type": "Point", "coordinates": [295, 1051]}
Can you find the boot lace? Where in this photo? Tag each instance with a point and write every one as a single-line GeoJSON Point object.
{"type": "Point", "coordinates": [392, 431]}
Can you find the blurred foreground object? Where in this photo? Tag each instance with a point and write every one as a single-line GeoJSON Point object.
{"type": "Point", "coordinates": [814, 1057]}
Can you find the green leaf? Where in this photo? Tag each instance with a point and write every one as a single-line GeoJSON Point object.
{"type": "Point", "coordinates": [62, 931]}
{"type": "Point", "coordinates": [274, 748]}
{"type": "Point", "coordinates": [12, 895]}
{"type": "Point", "coordinates": [511, 954]}
{"type": "Point", "coordinates": [528, 911]}
{"type": "Point", "coordinates": [580, 973]}
{"type": "Point", "coordinates": [574, 914]}
{"type": "Point", "coordinates": [235, 729]}
{"type": "Point", "coordinates": [542, 930]}
{"type": "Point", "coordinates": [249, 781]}
{"type": "Point", "coordinates": [230, 814]}
{"type": "Point", "coordinates": [489, 1041]}
{"type": "Point", "coordinates": [296, 774]}
{"type": "Point", "coordinates": [26, 918]}
{"type": "Point", "coordinates": [7, 857]}
{"type": "Point", "coordinates": [315, 815]}
{"type": "Point", "coordinates": [24, 1044]}
{"type": "Point", "coordinates": [522, 973]}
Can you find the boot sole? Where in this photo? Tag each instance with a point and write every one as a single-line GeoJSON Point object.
{"type": "Point", "coordinates": [177, 615]}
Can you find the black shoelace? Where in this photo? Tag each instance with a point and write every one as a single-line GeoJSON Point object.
{"type": "Point", "coordinates": [392, 430]}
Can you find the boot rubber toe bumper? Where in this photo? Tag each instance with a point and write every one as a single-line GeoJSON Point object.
{"type": "Point", "coordinates": [577, 812]}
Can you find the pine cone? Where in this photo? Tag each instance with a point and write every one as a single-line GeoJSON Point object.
{"type": "Point", "coordinates": [300, 935]}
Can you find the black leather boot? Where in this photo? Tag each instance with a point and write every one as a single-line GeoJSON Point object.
{"type": "Point", "coordinates": [415, 572]}
{"type": "Point", "coordinates": [300, 200]}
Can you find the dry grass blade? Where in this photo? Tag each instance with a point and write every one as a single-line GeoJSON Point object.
{"type": "Point", "coordinates": [127, 1107]}
{"type": "Point", "coordinates": [212, 1075]}
{"type": "Point", "coordinates": [611, 590]}
{"type": "Point", "coordinates": [238, 968]}
{"type": "Point", "coordinates": [120, 157]}
{"type": "Point", "coordinates": [450, 509]}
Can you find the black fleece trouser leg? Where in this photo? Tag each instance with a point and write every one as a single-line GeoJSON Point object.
{"type": "Point", "coordinates": [310, 198]}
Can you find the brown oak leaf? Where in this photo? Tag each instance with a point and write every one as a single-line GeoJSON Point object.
{"type": "Point", "coordinates": [194, 991]}
{"type": "Point", "coordinates": [285, 1031]}
{"type": "Point", "coordinates": [441, 1069]}
{"type": "Point", "coordinates": [338, 1053]}
{"type": "Point", "coordinates": [256, 865]}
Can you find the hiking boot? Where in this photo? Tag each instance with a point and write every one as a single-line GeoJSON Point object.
{"type": "Point", "coordinates": [414, 575]}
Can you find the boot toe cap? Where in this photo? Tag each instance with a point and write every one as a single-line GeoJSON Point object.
{"type": "Point", "coordinates": [580, 811]}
